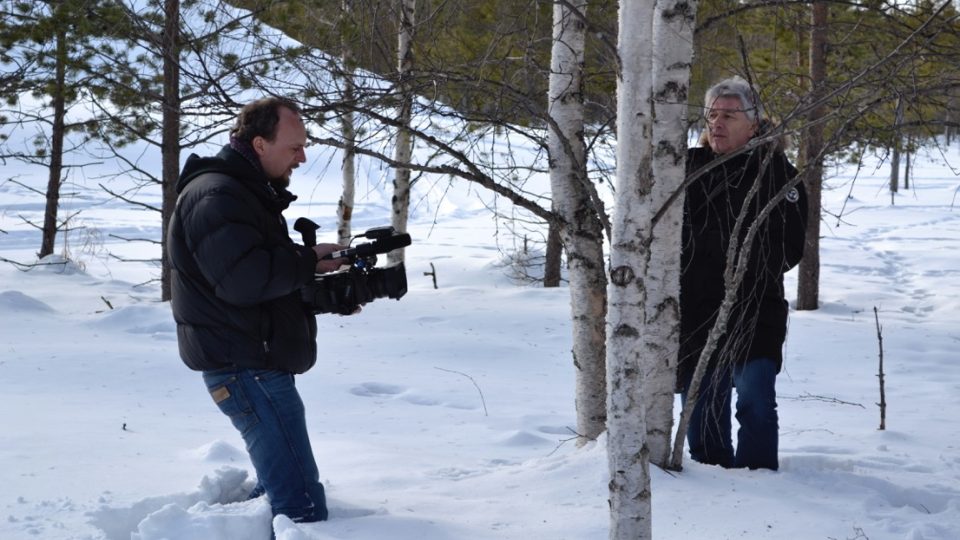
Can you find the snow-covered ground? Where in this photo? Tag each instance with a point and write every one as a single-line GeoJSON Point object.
{"type": "Point", "coordinates": [447, 415]}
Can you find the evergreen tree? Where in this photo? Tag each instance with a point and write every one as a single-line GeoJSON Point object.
{"type": "Point", "coordinates": [50, 43]}
{"type": "Point", "coordinates": [174, 76]}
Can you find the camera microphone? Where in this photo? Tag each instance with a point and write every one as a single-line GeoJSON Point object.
{"type": "Point", "coordinates": [381, 245]}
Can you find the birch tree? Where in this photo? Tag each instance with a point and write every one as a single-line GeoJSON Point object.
{"type": "Point", "coordinates": [581, 230]}
{"type": "Point", "coordinates": [404, 144]}
{"type": "Point", "coordinates": [627, 345]}
{"type": "Point", "coordinates": [348, 165]}
{"type": "Point", "coordinates": [673, 24]}
{"type": "Point", "coordinates": [655, 51]}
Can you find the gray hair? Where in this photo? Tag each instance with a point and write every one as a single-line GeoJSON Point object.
{"type": "Point", "coordinates": [736, 87]}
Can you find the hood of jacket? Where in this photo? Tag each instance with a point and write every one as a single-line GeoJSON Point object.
{"type": "Point", "coordinates": [233, 164]}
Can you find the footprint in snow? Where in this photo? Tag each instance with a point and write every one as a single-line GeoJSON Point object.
{"type": "Point", "coordinates": [381, 390]}
{"type": "Point", "coordinates": [393, 391]}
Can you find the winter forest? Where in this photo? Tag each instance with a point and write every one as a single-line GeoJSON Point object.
{"type": "Point", "coordinates": [534, 150]}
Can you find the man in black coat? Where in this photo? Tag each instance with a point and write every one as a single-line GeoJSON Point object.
{"type": "Point", "coordinates": [736, 173]}
{"type": "Point", "coordinates": [236, 279]}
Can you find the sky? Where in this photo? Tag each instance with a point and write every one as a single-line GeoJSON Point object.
{"type": "Point", "coordinates": [448, 414]}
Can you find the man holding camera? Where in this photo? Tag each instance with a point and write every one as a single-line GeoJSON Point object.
{"type": "Point", "coordinates": [236, 279]}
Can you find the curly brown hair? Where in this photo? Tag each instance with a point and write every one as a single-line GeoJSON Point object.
{"type": "Point", "coordinates": [260, 118]}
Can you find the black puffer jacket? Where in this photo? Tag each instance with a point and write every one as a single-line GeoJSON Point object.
{"type": "Point", "coordinates": [236, 273]}
{"type": "Point", "coordinates": [758, 322]}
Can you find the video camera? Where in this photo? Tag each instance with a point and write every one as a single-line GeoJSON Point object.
{"type": "Point", "coordinates": [344, 291]}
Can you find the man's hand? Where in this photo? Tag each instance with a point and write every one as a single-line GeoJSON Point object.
{"type": "Point", "coordinates": [328, 265]}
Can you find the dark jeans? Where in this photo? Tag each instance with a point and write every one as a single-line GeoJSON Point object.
{"type": "Point", "coordinates": [709, 432]}
{"type": "Point", "coordinates": [266, 408]}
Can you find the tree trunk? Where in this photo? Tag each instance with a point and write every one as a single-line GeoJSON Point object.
{"type": "Point", "coordinates": [673, 41]}
{"type": "Point", "coordinates": [581, 230]}
{"type": "Point", "coordinates": [553, 260]}
{"type": "Point", "coordinates": [628, 343]}
{"type": "Point", "coordinates": [908, 162]}
{"type": "Point", "coordinates": [170, 138]}
{"type": "Point", "coordinates": [404, 148]}
{"type": "Point", "coordinates": [895, 167]}
{"type": "Point", "coordinates": [56, 148]}
{"type": "Point", "coordinates": [808, 273]}
{"type": "Point", "coordinates": [949, 131]}
{"type": "Point", "coordinates": [895, 153]}
{"type": "Point", "coordinates": [347, 128]}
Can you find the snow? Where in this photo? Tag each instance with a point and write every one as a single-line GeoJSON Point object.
{"type": "Point", "coordinates": [448, 414]}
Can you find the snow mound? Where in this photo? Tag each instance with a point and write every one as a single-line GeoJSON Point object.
{"type": "Point", "coordinates": [203, 521]}
{"type": "Point", "coordinates": [286, 529]}
{"type": "Point", "coordinates": [215, 511]}
{"type": "Point", "coordinates": [138, 319]}
{"type": "Point", "coordinates": [17, 303]}
{"type": "Point", "coordinates": [58, 264]}
{"type": "Point", "coordinates": [219, 451]}
{"type": "Point", "coordinates": [524, 438]}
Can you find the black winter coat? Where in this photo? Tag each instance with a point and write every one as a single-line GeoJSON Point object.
{"type": "Point", "coordinates": [758, 322]}
{"type": "Point", "coordinates": [235, 273]}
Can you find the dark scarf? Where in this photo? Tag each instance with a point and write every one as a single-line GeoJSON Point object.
{"type": "Point", "coordinates": [245, 149]}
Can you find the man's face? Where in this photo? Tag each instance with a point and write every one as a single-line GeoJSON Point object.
{"type": "Point", "coordinates": [285, 153]}
{"type": "Point", "coordinates": [729, 127]}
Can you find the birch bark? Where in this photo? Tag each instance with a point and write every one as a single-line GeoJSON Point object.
{"type": "Point", "coordinates": [404, 148]}
{"type": "Point", "coordinates": [581, 230]}
{"type": "Point", "coordinates": [627, 344]}
{"type": "Point", "coordinates": [348, 130]}
{"type": "Point", "coordinates": [673, 24]}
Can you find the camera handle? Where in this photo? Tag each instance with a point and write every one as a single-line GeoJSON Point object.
{"type": "Point", "coordinates": [307, 230]}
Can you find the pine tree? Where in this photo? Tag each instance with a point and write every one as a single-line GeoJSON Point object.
{"type": "Point", "coordinates": [52, 44]}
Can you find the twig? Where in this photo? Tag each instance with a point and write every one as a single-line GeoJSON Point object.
{"type": "Point", "coordinates": [860, 535]}
{"type": "Point", "coordinates": [129, 200]}
{"type": "Point", "coordinates": [810, 397]}
{"type": "Point", "coordinates": [483, 401]}
{"type": "Point", "coordinates": [883, 393]}
{"type": "Point", "coordinates": [21, 184]}
{"type": "Point", "coordinates": [801, 431]}
{"type": "Point", "coordinates": [126, 260]}
{"type": "Point", "coordinates": [126, 239]}
{"type": "Point", "coordinates": [562, 442]}
{"type": "Point", "coordinates": [27, 267]}
{"type": "Point", "coordinates": [432, 273]}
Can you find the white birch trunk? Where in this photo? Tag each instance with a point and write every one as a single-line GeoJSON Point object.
{"type": "Point", "coordinates": [673, 52]}
{"type": "Point", "coordinates": [404, 148]}
{"type": "Point", "coordinates": [628, 344]}
{"type": "Point", "coordinates": [581, 229]}
{"type": "Point", "coordinates": [348, 130]}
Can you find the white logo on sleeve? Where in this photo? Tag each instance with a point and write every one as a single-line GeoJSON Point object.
{"type": "Point", "coordinates": [793, 195]}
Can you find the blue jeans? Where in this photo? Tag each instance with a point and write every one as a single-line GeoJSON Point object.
{"type": "Point", "coordinates": [266, 409]}
{"type": "Point", "coordinates": [709, 431]}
